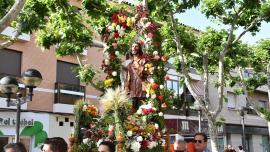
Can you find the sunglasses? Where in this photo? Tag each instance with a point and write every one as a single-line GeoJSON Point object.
{"type": "Point", "coordinates": [198, 141]}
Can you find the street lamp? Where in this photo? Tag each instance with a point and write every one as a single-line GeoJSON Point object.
{"type": "Point", "coordinates": [9, 85]}
{"type": "Point", "coordinates": [198, 108]}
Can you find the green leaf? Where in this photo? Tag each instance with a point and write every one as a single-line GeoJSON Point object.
{"type": "Point", "coordinates": [32, 130]}
{"type": "Point", "coordinates": [40, 137]}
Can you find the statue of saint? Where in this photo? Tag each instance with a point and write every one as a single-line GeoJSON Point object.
{"type": "Point", "coordinates": [136, 77]}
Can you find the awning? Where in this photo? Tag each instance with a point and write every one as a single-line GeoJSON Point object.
{"type": "Point", "coordinates": [197, 87]}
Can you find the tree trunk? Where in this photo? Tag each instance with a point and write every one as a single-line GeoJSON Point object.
{"type": "Point", "coordinates": [213, 134]}
{"type": "Point", "coordinates": [268, 85]}
{"type": "Point", "coordinates": [12, 14]}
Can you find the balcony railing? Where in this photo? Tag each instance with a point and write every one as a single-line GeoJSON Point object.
{"type": "Point", "coordinates": [68, 93]}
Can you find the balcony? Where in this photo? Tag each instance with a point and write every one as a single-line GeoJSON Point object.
{"type": "Point", "coordinates": [68, 93]}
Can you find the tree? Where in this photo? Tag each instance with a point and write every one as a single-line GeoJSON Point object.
{"type": "Point", "coordinates": [54, 22]}
{"type": "Point", "coordinates": [216, 52]}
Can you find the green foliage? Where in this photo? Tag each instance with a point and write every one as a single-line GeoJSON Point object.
{"type": "Point", "coordinates": [5, 6]}
{"type": "Point", "coordinates": [86, 73]}
{"type": "Point", "coordinates": [241, 13]}
{"type": "Point", "coordinates": [266, 113]}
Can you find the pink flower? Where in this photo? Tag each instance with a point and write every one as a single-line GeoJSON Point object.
{"type": "Point", "coordinates": [114, 44]}
{"type": "Point", "coordinates": [150, 35]}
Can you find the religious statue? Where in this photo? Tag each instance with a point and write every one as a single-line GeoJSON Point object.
{"type": "Point", "coordinates": [136, 77]}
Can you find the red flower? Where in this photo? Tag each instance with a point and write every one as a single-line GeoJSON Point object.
{"type": "Point", "coordinates": [145, 111]}
{"type": "Point", "coordinates": [144, 144]}
{"type": "Point", "coordinates": [166, 77]}
{"type": "Point", "coordinates": [124, 25]}
{"type": "Point", "coordinates": [116, 35]}
{"type": "Point", "coordinates": [160, 98]}
{"type": "Point", "coordinates": [154, 86]}
{"type": "Point", "coordinates": [151, 110]}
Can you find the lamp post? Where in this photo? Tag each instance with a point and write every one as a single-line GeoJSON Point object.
{"type": "Point", "coordinates": [9, 85]}
{"type": "Point", "coordinates": [198, 108]}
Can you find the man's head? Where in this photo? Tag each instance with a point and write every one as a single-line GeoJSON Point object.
{"type": "Point", "coordinates": [200, 141]}
{"type": "Point", "coordinates": [240, 147]}
{"type": "Point", "coordinates": [15, 147]}
{"type": "Point", "coordinates": [55, 144]}
{"type": "Point", "coordinates": [179, 144]}
{"type": "Point", "coordinates": [106, 146]}
{"type": "Point", "coordinates": [136, 49]}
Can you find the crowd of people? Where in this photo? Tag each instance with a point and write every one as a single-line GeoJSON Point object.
{"type": "Point", "coordinates": [58, 144]}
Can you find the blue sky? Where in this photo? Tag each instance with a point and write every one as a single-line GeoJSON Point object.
{"type": "Point", "coordinates": [196, 19]}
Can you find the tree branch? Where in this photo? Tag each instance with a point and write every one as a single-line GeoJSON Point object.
{"type": "Point", "coordinates": [13, 38]}
{"type": "Point", "coordinates": [253, 23]}
{"type": "Point", "coordinates": [12, 14]}
{"type": "Point", "coordinates": [206, 78]}
{"type": "Point", "coordinates": [184, 69]}
{"type": "Point", "coordinates": [98, 44]}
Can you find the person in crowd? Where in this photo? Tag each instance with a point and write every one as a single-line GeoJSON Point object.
{"type": "Point", "coordinates": [106, 146]}
{"type": "Point", "coordinates": [179, 144]}
{"type": "Point", "coordinates": [200, 142]}
{"type": "Point", "coordinates": [55, 144]}
{"type": "Point", "coordinates": [15, 147]}
{"type": "Point", "coordinates": [241, 149]}
{"type": "Point", "coordinates": [226, 149]}
{"type": "Point", "coordinates": [231, 148]}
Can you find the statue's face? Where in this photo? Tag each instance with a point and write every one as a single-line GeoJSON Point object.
{"type": "Point", "coordinates": [135, 49]}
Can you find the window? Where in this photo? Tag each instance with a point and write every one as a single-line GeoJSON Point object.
{"type": "Point", "coordinates": [174, 85]}
{"type": "Point", "coordinates": [66, 73]}
{"type": "Point", "coordinates": [231, 100]}
{"type": "Point", "coordinates": [265, 143]}
{"type": "Point", "coordinates": [185, 126]}
{"type": "Point", "coordinates": [10, 63]}
{"type": "Point", "coordinates": [68, 89]}
{"type": "Point", "coordinates": [262, 104]}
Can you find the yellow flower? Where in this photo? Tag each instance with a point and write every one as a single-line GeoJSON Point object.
{"type": "Point", "coordinates": [130, 22]}
{"type": "Point", "coordinates": [113, 25]}
{"type": "Point", "coordinates": [122, 19]}
{"type": "Point", "coordinates": [152, 91]}
{"type": "Point", "coordinates": [108, 82]}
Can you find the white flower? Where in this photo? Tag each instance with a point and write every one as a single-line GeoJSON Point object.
{"type": "Point", "coordinates": [164, 130]}
{"type": "Point", "coordinates": [129, 133]}
{"type": "Point", "coordinates": [139, 111]}
{"type": "Point", "coordinates": [155, 53]}
{"type": "Point", "coordinates": [111, 127]}
{"type": "Point", "coordinates": [117, 53]}
{"type": "Point", "coordinates": [106, 62]}
{"type": "Point", "coordinates": [152, 144]}
{"type": "Point", "coordinates": [135, 146]}
{"type": "Point", "coordinates": [99, 141]}
{"type": "Point", "coordinates": [158, 67]}
{"type": "Point", "coordinates": [118, 27]}
{"type": "Point", "coordinates": [160, 114]}
{"type": "Point", "coordinates": [156, 126]}
{"type": "Point", "coordinates": [144, 118]}
{"type": "Point", "coordinates": [175, 94]}
{"type": "Point", "coordinates": [85, 140]}
{"type": "Point", "coordinates": [147, 95]}
{"type": "Point", "coordinates": [139, 138]}
{"type": "Point", "coordinates": [114, 73]}
{"type": "Point", "coordinates": [84, 107]}
{"type": "Point", "coordinates": [161, 86]}
{"type": "Point", "coordinates": [110, 28]}
{"type": "Point", "coordinates": [153, 96]}
{"type": "Point", "coordinates": [151, 80]}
